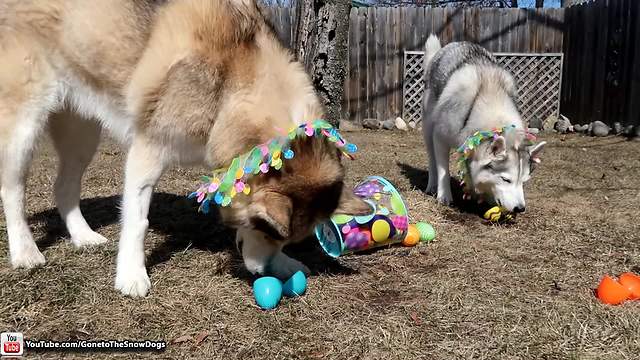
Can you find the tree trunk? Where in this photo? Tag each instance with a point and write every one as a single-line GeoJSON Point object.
{"type": "Point", "coordinates": [320, 43]}
{"type": "Point", "coordinates": [539, 3]}
{"type": "Point", "coordinates": [514, 3]}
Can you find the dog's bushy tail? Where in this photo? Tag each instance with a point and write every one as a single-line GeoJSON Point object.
{"type": "Point", "coordinates": [430, 49]}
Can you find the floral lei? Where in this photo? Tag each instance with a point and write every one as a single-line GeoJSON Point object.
{"type": "Point", "coordinates": [225, 183]}
{"type": "Point", "coordinates": [466, 149]}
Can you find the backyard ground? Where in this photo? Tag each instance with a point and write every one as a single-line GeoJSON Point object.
{"type": "Point", "coordinates": [523, 291]}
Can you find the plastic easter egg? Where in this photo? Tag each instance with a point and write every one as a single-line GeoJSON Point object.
{"type": "Point", "coordinates": [296, 285]}
{"type": "Point", "coordinates": [632, 283]}
{"type": "Point", "coordinates": [493, 214]}
{"type": "Point", "coordinates": [380, 230]}
{"type": "Point", "coordinates": [611, 292]}
{"type": "Point", "coordinates": [427, 232]}
{"type": "Point", "coordinates": [267, 291]}
{"type": "Point", "coordinates": [412, 237]}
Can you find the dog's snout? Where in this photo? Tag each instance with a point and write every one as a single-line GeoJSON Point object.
{"type": "Point", "coordinates": [519, 209]}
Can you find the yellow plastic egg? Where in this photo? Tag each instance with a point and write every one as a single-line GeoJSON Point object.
{"type": "Point", "coordinates": [380, 231]}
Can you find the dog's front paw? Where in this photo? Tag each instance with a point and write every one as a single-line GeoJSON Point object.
{"type": "Point", "coordinates": [87, 238]}
{"type": "Point", "coordinates": [133, 282]}
{"type": "Point", "coordinates": [283, 267]}
{"type": "Point", "coordinates": [27, 256]}
{"type": "Point", "coordinates": [445, 199]}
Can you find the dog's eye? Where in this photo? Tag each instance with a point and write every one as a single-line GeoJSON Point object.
{"type": "Point", "coordinates": [506, 180]}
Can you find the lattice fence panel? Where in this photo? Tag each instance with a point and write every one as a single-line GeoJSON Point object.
{"type": "Point", "coordinates": [539, 79]}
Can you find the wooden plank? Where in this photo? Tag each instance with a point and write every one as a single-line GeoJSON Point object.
{"type": "Point", "coordinates": [351, 82]}
{"type": "Point", "coordinates": [523, 31]}
{"type": "Point", "coordinates": [633, 116]}
{"type": "Point", "coordinates": [371, 58]}
{"type": "Point", "coordinates": [616, 96]}
{"type": "Point", "coordinates": [380, 98]}
{"type": "Point", "coordinates": [397, 62]}
{"type": "Point", "coordinates": [360, 106]}
{"type": "Point", "coordinates": [586, 75]}
{"type": "Point", "coordinates": [600, 59]}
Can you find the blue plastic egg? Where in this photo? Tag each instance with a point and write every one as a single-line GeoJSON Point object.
{"type": "Point", "coordinates": [296, 285]}
{"type": "Point", "coordinates": [267, 291]}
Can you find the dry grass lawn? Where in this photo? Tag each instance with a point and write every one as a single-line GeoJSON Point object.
{"type": "Point", "coordinates": [523, 291]}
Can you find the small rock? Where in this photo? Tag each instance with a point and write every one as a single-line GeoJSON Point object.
{"type": "Point", "coordinates": [598, 128]}
{"type": "Point", "coordinates": [371, 124]}
{"type": "Point", "coordinates": [412, 124]}
{"type": "Point", "coordinates": [400, 124]}
{"type": "Point", "coordinates": [347, 126]}
{"type": "Point", "coordinates": [581, 128]}
{"type": "Point", "coordinates": [549, 123]}
{"type": "Point", "coordinates": [562, 125]}
{"type": "Point", "coordinates": [628, 130]}
{"type": "Point", "coordinates": [535, 123]}
{"type": "Point", "coordinates": [389, 124]}
{"type": "Point", "coordinates": [618, 129]}
{"type": "Point", "coordinates": [533, 131]}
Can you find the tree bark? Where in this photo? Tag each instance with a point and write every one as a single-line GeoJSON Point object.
{"type": "Point", "coordinates": [320, 43]}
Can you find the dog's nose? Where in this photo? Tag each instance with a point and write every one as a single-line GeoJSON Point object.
{"type": "Point", "coordinates": [518, 209]}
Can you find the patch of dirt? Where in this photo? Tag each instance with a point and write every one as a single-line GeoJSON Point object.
{"type": "Point", "coordinates": [479, 292]}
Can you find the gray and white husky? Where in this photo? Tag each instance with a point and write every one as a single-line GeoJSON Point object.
{"type": "Point", "coordinates": [466, 91]}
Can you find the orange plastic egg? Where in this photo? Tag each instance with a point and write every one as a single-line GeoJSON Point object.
{"type": "Point", "coordinates": [611, 292]}
{"type": "Point", "coordinates": [412, 237]}
{"type": "Point", "coordinates": [632, 283]}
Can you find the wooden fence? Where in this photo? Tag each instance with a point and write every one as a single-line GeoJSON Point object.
{"type": "Point", "coordinates": [600, 40]}
{"type": "Point", "coordinates": [602, 62]}
{"type": "Point", "coordinates": [379, 36]}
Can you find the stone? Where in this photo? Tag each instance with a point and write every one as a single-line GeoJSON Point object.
{"type": "Point", "coordinates": [598, 128]}
{"type": "Point", "coordinates": [412, 124]}
{"type": "Point", "coordinates": [581, 128]}
{"type": "Point", "coordinates": [400, 124]}
{"type": "Point", "coordinates": [618, 129]}
{"type": "Point", "coordinates": [389, 124]}
{"type": "Point", "coordinates": [348, 126]}
{"type": "Point", "coordinates": [535, 123]}
{"type": "Point", "coordinates": [533, 131]}
{"type": "Point", "coordinates": [549, 123]}
{"type": "Point", "coordinates": [628, 131]}
{"type": "Point", "coordinates": [562, 125]}
{"type": "Point", "coordinates": [370, 123]}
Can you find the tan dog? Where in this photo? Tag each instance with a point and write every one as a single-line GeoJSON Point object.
{"type": "Point", "coordinates": [178, 82]}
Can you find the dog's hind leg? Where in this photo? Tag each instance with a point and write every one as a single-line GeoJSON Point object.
{"type": "Point", "coordinates": [432, 185]}
{"type": "Point", "coordinates": [441, 155]}
{"type": "Point", "coordinates": [145, 164]}
{"type": "Point", "coordinates": [76, 141]}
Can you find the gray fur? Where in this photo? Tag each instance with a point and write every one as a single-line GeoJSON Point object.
{"type": "Point", "coordinates": [467, 91]}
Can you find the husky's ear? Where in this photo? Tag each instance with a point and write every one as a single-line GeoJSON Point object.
{"type": "Point", "coordinates": [535, 152]}
{"type": "Point", "coordinates": [270, 213]}
{"type": "Point", "coordinates": [351, 204]}
{"type": "Point", "coordinates": [498, 147]}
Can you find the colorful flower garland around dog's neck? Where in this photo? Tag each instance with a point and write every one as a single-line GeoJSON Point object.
{"type": "Point", "coordinates": [226, 183]}
{"type": "Point", "coordinates": [472, 143]}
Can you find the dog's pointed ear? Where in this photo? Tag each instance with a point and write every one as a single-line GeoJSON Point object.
{"type": "Point", "coordinates": [498, 146]}
{"type": "Point", "coordinates": [351, 204]}
{"type": "Point", "coordinates": [535, 152]}
{"type": "Point", "coordinates": [270, 212]}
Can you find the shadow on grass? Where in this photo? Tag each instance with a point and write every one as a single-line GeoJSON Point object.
{"type": "Point", "coordinates": [177, 218]}
{"type": "Point", "coordinates": [419, 179]}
